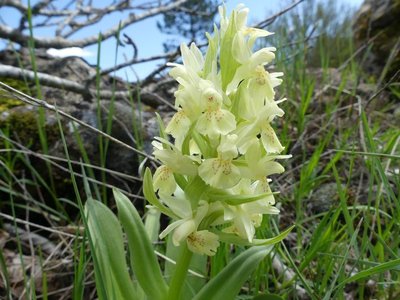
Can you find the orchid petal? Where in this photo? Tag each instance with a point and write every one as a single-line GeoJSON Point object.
{"type": "Point", "coordinates": [203, 242]}
{"type": "Point", "coordinates": [219, 173]}
{"type": "Point", "coordinates": [164, 180]}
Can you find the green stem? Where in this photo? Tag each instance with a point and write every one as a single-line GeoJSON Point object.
{"type": "Point", "coordinates": [178, 278]}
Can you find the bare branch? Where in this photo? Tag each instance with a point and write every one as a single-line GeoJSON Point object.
{"type": "Point", "coordinates": [129, 41]}
{"type": "Point", "coordinates": [96, 16]}
{"type": "Point", "coordinates": [147, 97]}
{"type": "Point", "coordinates": [16, 4]}
{"type": "Point", "coordinates": [172, 55]}
{"type": "Point", "coordinates": [272, 19]}
{"type": "Point", "coordinates": [134, 61]}
{"type": "Point", "coordinates": [16, 36]}
{"type": "Point", "coordinates": [39, 10]}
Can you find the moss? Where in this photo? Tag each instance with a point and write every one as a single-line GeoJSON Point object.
{"type": "Point", "coordinates": [23, 127]}
{"type": "Point", "coordinates": [7, 102]}
{"type": "Point", "coordinates": [17, 84]}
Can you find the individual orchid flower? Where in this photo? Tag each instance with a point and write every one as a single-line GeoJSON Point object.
{"type": "Point", "coordinates": [203, 242]}
{"type": "Point", "coordinates": [249, 67]}
{"type": "Point", "coordinates": [248, 131]}
{"type": "Point", "coordinates": [243, 222]}
{"type": "Point", "coordinates": [193, 62]}
{"type": "Point", "coordinates": [187, 99]}
{"type": "Point", "coordinates": [251, 100]}
{"type": "Point", "coordinates": [242, 50]}
{"type": "Point", "coordinates": [220, 172]}
{"type": "Point", "coordinates": [243, 44]}
{"type": "Point", "coordinates": [185, 228]}
{"type": "Point", "coordinates": [164, 180]}
{"type": "Point", "coordinates": [179, 126]}
{"type": "Point", "coordinates": [258, 167]}
{"type": "Point", "coordinates": [259, 164]}
{"type": "Point", "coordinates": [247, 217]}
{"type": "Point", "coordinates": [215, 120]}
{"type": "Point", "coordinates": [173, 158]}
{"type": "Point", "coordinates": [263, 83]}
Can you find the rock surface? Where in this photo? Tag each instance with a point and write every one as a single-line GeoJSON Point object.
{"type": "Point", "coordinates": [379, 20]}
{"type": "Point", "coordinates": [21, 119]}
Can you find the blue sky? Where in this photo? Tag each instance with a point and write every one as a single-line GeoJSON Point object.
{"type": "Point", "coordinates": [146, 35]}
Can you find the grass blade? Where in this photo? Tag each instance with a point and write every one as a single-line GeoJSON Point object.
{"type": "Point", "coordinates": [393, 264]}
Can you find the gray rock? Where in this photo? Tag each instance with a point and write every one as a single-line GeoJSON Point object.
{"type": "Point", "coordinates": [379, 19]}
{"type": "Point", "coordinates": [323, 198]}
{"type": "Point", "coordinates": [125, 115]}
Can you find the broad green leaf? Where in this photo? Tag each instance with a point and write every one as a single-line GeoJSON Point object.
{"type": "Point", "coordinates": [143, 260]}
{"type": "Point", "coordinates": [150, 196]}
{"type": "Point", "coordinates": [108, 249]}
{"type": "Point", "coordinates": [226, 285]}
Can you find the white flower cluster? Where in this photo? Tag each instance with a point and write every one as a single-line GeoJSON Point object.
{"type": "Point", "coordinates": [215, 175]}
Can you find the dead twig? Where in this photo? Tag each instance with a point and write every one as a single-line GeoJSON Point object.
{"type": "Point", "coordinates": [17, 36]}
{"type": "Point", "coordinates": [272, 19]}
